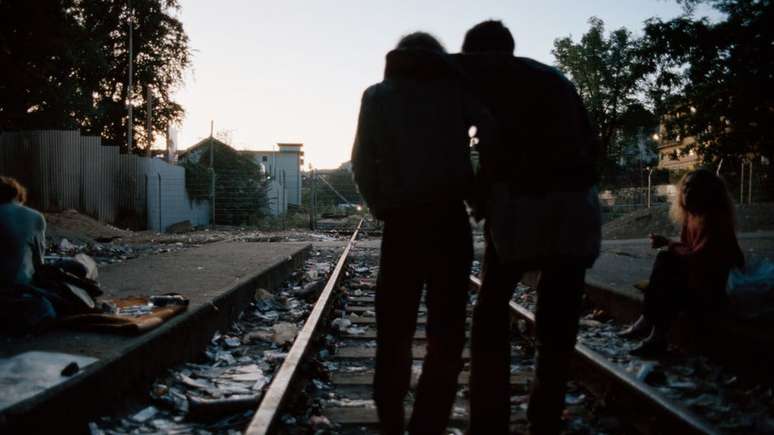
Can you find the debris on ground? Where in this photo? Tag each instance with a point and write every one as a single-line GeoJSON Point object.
{"type": "Point", "coordinates": [220, 392]}
{"type": "Point", "coordinates": [69, 233]}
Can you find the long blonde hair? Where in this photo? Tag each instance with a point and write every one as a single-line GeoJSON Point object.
{"type": "Point", "coordinates": [702, 193]}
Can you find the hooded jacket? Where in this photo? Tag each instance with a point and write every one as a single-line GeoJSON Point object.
{"type": "Point", "coordinates": [411, 149]}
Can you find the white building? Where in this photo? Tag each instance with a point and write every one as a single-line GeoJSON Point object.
{"type": "Point", "coordinates": [283, 167]}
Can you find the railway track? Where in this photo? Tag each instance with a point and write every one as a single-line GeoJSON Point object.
{"type": "Point", "coordinates": [324, 379]}
{"type": "Point", "coordinates": [340, 397]}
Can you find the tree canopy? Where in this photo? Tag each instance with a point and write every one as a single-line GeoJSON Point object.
{"type": "Point", "coordinates": [609, 74]}
{"type": "Point", "coordinates": [717, 78]}
{"type": "Point", "coordinates": [64, 64]}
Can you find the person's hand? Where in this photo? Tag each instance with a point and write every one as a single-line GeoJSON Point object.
{"type": "Point", "coordinates": [658, 241]}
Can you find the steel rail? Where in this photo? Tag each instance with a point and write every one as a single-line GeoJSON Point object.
{"type": "Point", "coordinates": [268, 410]}
{"type": "Point", "coordinates": [651, 412]}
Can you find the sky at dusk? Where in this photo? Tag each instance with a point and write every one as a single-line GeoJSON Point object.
{"type": "Point", "coordinates": [292, 71]}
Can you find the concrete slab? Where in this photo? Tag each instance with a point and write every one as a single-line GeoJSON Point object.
{"type": "Point", "coordinates": [219, 279]}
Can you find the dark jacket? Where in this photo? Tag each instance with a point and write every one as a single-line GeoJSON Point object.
{"type": "Point", "coordinates": [412, 146]}
{"type": "Point", "coordinates": [22, 243]}
{"type": "Point", "coordinates": [708, 250]}
{"type": "Point", "coordinates": [537, 180]}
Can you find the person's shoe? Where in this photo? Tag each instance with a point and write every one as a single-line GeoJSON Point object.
{"type": "Point", "coordinates": [651, 347]}
{"type": "Point", "coordinates": [639, 329]}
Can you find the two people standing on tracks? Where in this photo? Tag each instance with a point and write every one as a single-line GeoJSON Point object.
{"type": "Point", "coordinates": [689, 274]}
{"type": "Point", "coordinates": [535, 190]}
{"type": "Point", "coordinates": [539, 201]}
{"type": "Point", "coordinates": [411, 161]}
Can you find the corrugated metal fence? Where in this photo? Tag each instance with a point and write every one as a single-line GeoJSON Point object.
{"type": "Point", "coordinates": [64, 170]}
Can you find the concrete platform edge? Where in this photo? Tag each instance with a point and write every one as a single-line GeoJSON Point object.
{"type": "Point", "coordinates": [67, 407]}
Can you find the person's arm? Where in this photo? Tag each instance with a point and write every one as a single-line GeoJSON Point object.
{"type": "Point", "coordinates": [365, 160]}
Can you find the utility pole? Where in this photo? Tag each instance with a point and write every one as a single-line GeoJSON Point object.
{"type": "Point", "coordinates": [313, 200]}
{"type": "Point", "coordinates": [741, 185]}
{"type": "Point", "coordinates": [650, 174]}
{"type": "Point", "coordinates": [148, 120]}
{"type": "Point", "coordinates": [129, 88]}
{"type": "Point", "coordinates": [284, 200]}
{"type": "Point", "coordinates": [749, 183]}
{"type": "Point", "coordinates": [212, 173]}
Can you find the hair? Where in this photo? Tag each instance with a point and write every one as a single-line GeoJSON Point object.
{"type": "Point", "coordinates": [420, 41]}
{"type": "Point", "coordinates": [702, 193]}
{"type": "Point", "coordinates": [489, 36]}
{"type": "Point", "coordinates": [11, 190]}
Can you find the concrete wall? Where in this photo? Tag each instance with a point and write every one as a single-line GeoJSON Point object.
{"type": "Point", "coordinates": [284, 166]}
{"type": "Point", "coordinates": [168, 201]}
{"type": "Point", "coordinates": [277, 195]}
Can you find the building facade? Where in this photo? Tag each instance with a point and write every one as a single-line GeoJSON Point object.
{"type": "Point", "coordinates": [671, 156]}
{"type": "Point", "coordinates": [283, 167]}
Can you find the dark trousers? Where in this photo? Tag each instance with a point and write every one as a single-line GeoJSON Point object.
{"type": "Point", "coordinates": [559, 294]}
{"type": "Point", "coordinates": [669, 292]}
{"type": "Point", "coordinates": [433, 248]}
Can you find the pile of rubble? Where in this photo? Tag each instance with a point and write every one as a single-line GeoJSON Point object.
{"type": "Point", "coordinates": [219, 393]}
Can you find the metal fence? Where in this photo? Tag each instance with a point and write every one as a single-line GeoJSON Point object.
{"type": "Point", "coordinates": [64, 170]}
{"type": "Point", "coordinates": [748, 183]}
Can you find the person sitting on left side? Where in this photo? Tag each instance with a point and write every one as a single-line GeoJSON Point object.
{"type": "Point", "coordinates": [22, 246]}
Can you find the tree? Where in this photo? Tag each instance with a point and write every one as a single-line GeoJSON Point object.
{"type": "Point", "coordinates": [160, 55]}
{"type": "Point", "coordinates": [40, 54]}
{"type": "Point", "coordinates": [609, 74]}
{"type": "Point", "coordinates": [718, 78]}
{"type": "Point", "coordinates": [65, 65]}
{"type": "Point", "coordinates": [240, 186]}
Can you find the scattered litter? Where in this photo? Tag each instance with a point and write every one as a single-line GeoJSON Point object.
{"type": "Point", "coordinates": [207, 408]}
{"type": "Point", "coordinates": [341, 324]}
{"type": "Point", "coordinates": [284, 333]}
{"type": "Point", "coordinates": [70, 369]}
{"type": "Point", "coordinates": [572, 399]}
{"type": "Point", "coordinates": [145, 415]}
{"type": "Point", "coordinates": [318, 422]}
{"type": "Point", "coordinates": [352, 403]}
{"type": "Point", "coordinates": [233, 342]}
{"type": "Point", "coordinates": [356, 330]}
{"type": "Point", "coordinates": [651, 373]}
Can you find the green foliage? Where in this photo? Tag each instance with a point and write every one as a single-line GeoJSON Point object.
{"type": "Point", "coordinates": [240, 187]}
{"type": "Point", "coordinates": [65, 65]}
{"type": "Point", "coordinates": [609, 73]}
{"type": "Point", "coordinates": [197, 180]}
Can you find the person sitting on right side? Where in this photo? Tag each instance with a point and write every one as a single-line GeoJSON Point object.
{"type": "Point", "coordinates": [690, 273]}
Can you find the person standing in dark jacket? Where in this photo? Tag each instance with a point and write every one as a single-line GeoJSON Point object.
{"type": "Point", "coordinates": [539, 202]}
{"type": "Point", "coordinates": [411, 162]}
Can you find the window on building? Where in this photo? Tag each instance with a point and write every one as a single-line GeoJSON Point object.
{"type": "Point", "coordinates": [265, 158]}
